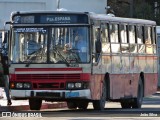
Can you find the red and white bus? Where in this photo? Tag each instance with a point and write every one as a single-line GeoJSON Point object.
{"type": "Point", "coordinates": [81, 57]}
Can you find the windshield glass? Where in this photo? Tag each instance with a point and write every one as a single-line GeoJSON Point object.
{"type": "Point", "coordinates": [50, 45]}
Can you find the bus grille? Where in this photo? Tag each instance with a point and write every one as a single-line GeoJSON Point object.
{"type": "Point", "coordinates": [31, 77]}
{"type": "Point", "coordinates": [53, 85]}
{"type": "Point", "coordinates": [47, 81]}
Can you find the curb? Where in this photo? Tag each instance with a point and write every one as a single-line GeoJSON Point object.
{"type": "Point", "coordinates": [26, 107]}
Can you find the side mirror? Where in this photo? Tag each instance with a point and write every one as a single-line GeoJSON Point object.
{"type": "Point", "coordinates": [4, 42]}
{"type": "Point", "coordinates": [98, 46]}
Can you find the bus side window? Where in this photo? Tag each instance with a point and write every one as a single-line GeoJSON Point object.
{"type": "Point", "coordinates": [148, 40]}
{"type": "Point", "coordinates": [105, 39]}
{"type": "Point", "coordinates": [154, 39]}
{"type": "Point", "coordinates": [132, 39]}
{"type": "Point", "coordinates": [115, 46]}
{"type": "Point", "coordinates": [141, 46]}
{"type": "Point", "coordinates": [124, 38]}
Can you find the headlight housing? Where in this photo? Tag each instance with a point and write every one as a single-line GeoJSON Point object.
{"type": "Point", "coordinates": [20, 85]}
{"type": "Point", "coordinates": [70, 85]}
{"type": "Point", "coordinates": [77, 85]}
{"type": "Point", "coordinates": [27, 85]}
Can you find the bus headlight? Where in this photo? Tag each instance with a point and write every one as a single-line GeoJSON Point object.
{"type": "Point", "coordinates": [19, 85]}
{"type": "Point", "coordinates": [78, 85]}
{"type": "Point", "coordinates": [26, 85]}
{"type": "Point", "coordinates": [70, 85]}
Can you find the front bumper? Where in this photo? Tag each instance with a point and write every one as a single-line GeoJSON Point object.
{"type": "Point", "coordinates": [51, 94]}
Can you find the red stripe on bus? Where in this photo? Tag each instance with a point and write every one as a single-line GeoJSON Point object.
{"type": "Point", "coordinates": [48, 69]}
{"type": "Point", "coordinates": [30, 77]}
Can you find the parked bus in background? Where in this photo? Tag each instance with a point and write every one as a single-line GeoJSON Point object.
{"type": "Point", "coordinates": [81, 57]}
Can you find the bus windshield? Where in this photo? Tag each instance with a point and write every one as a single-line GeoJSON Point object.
{"type": "Point", "coordinates": [50, 45]}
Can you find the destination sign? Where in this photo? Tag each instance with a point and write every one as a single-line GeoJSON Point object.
{"type": "Point", "coordinates": [64, 19]}
{"type": "Point", "coordinates": [60, 19]}
{"type": "Point", "coordinates": [55, 19]}
{"type": "Point", "coordinates": [51, 19]}
{"type": "Point", "coordinates": [42, 30]}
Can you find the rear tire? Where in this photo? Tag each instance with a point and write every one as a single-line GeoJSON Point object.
{"type": "Point", "coordinates": [100, 104]}
{"type": "Point", "coordinates": [137, 102]}
{"type": "Point", "coordinates": [35, 104]}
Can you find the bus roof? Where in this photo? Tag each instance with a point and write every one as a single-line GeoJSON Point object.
{"type": "Point", "coordinates": [94, 16]}
{"type": "Point", "coordinates": [45, 12]}
{"type": "Point", "coordinates": [108, 18]}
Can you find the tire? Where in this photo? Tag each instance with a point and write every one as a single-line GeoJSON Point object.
{"type": "Point", "coordinates": [137, 102]}
{"type": "Point", "coordinates": [83, 105]}
{"type": "Point", "coordinates": [35, 104]}
{"type": "Point", "coordinates": [71, 105]}
{"type": "Point", "coordinates": [100, 104]}
{"type": "Point", "coordinates": [125, 104]}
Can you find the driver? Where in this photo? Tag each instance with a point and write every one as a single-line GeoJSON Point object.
{"type": "Point", "coordinates": [81, 45]}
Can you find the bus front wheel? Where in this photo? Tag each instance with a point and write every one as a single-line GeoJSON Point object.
{"type": "Point", "coordinates": [83, 105]}
{"type": "Point", "coordinates": [35, 104]}
{"type": "Point", "coordinates": [100, 104]}
{"type": "Point", "coordinates": [71, 105]}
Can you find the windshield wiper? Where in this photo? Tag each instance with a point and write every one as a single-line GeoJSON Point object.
{"type": "Point", "coordinates": [30, 60]}
{"type": "Point", "coordinates": [62, 57]}
{"type": "Point", "coordinates": [33, 57]}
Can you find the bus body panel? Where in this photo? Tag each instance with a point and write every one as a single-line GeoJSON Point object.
{"type": "Point", "coordinates": [51, 94]}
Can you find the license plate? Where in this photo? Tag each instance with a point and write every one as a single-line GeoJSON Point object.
{"type": "Point", "coordinates": [72, 94]}
{"type": "Point", "coordinates": [48, 94]}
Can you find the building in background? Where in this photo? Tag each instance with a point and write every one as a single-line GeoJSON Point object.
{"type": "Point", "coordinates": [8, 6]}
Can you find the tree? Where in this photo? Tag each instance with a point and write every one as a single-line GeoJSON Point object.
{"type": "Point", "coordinates": [118, 7]}
{"type": "Point", "coordinates": [143, 9]}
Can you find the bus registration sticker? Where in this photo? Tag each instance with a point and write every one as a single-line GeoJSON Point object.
{"type": "Point", "coordinates": [72, 94]}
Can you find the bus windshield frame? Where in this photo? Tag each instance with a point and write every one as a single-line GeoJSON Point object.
{"type": "Point", "coordinates": [50, 44]}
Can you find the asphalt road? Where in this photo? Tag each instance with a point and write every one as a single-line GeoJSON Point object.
{"type": "Point", "coordinates": [150, 110]}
